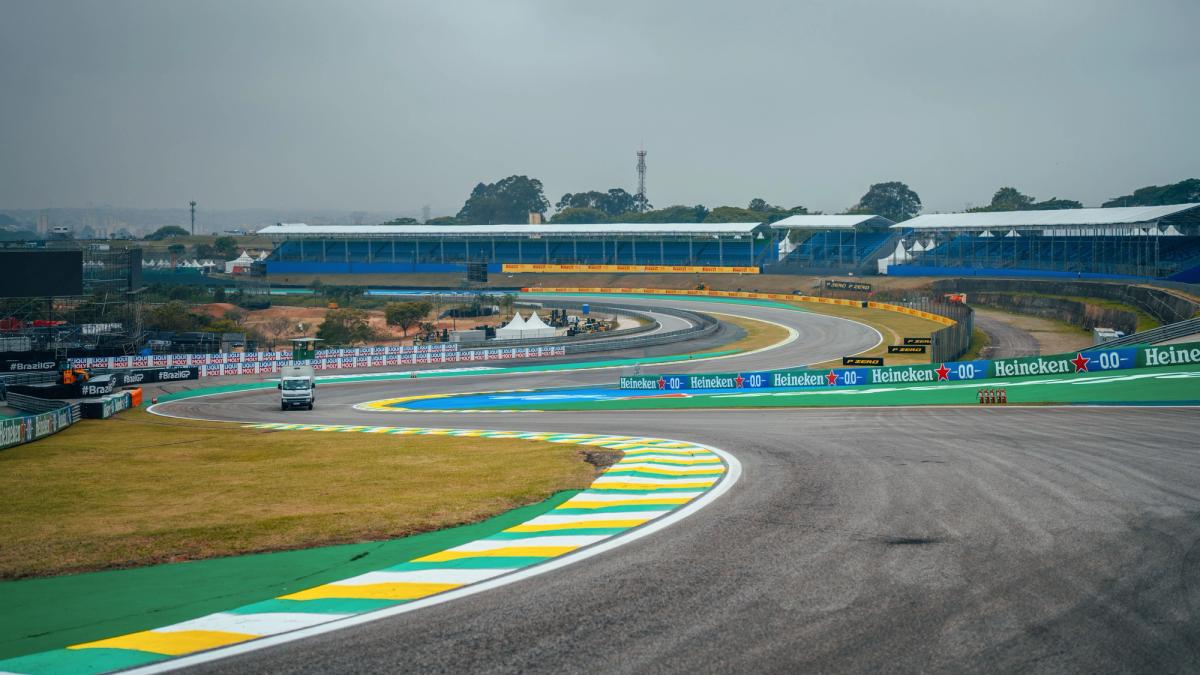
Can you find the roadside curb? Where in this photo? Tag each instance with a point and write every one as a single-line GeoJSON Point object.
{"type": "Point", "coordinates": [657, 483]}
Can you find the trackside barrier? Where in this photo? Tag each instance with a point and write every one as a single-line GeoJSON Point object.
{"type": "Point", "coordinates": [750, 295]}
{"type": "Point", "coordinates": [18, 430]}
{"type": "Point", "coordinates": [176, 360]}
{"type": "Point", "coordinates": [1095, 359]}
{"type": "Point", "coordinates": [465, 356]}
{"type": "Point", "coordinates": [668, 269]}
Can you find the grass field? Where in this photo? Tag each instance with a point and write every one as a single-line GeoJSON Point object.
{"type": "Point", "coordinates": [139, 489]}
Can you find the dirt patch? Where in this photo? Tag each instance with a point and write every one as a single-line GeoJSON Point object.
{"type": "Point", "coordinates": [601, 458]}
{"type": "Point", "coordinates": [1053, 337]}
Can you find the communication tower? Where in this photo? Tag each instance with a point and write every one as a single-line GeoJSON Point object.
{"type": "Point", "coordinates": [643, 204]}
{"type": "Point", "coordinates": [193, 205]}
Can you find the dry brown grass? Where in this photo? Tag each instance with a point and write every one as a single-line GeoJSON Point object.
{"type": "Point", "coordinates": [759, 334]}
{"type": "Point", "coordinates": [139, 489]}
{"type": "Point", "coordinates": [892, 325]}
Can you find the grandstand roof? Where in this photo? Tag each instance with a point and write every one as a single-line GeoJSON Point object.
{"type": "Point", "coordinates": [598, 229]}
{"type": "Point", "coordinates": [1126, 215]}
{"type": "Point", "coordinates": [823, 222]}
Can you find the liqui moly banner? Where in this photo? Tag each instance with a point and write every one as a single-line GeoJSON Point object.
{"type": "Point", "coordinates": [378, 360]}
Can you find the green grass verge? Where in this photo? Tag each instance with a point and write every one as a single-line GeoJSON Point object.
{"type": "Point", "coordinates": [42, 614]}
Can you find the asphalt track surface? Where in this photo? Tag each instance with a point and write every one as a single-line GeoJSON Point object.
{"type": "Point", "coordinates": [946, 540]}
{"type": "Point", "coordinates": [1006, 341]}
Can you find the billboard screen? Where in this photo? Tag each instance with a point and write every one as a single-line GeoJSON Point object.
{"type": "Point", "coordinates": [35, 274]}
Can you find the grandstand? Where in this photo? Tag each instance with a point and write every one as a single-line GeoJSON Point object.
{"type": "Point", "coordinates": [811, 244]}
{"type": "Point", "coordinates": [344, 249]}
{"type": "Point", "coordinates": [1152, 242]}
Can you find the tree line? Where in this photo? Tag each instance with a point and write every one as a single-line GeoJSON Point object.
{"type": "Point", "coordinates": [511, 200]}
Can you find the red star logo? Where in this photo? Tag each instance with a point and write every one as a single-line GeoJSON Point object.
{"type": "Point", "coordinates": [662, 382]}
{"type": "Point", "coordinates": [832, 378]}
{"type": "Point", "coordinates": [737, 381]}
{"type": "Point", "coordinates": [1080, 362]}
{"type": "Point", "coordinates": [943, 373]}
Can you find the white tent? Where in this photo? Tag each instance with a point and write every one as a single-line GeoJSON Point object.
{"type": "Point", "coordinates": [900, 255]}
{"type": "Point", "coordinates": [242, 262]}
{"type": "Point", "coordinates": [512, 330]}
{"type": "Point", "coordinates": [521, 328]}
{"type": "Point", "coordinates": [536, 328]}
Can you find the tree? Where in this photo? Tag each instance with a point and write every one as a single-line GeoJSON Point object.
{"type": "Point", "coordinates": [176, 249]}
{"type": "Point", "coordinates": [166, 232]}
{"type": "Point", "coordinates": [613, 203]}
{"type": "Point", "coordinates": [1183, 192]}
{"type": "Point", "coordinates": [508, 200]}
{"type": "Point", "coordinates": [1011, 199]}
{"type": "Point", "coordinates": [401, 221]}
{"type": "Point", "coordinates": [583, 214]}
{"type": "Point", "coordinates": [670, 214]}
{"type": "Point", "coordinates": [226, 246]}
{"type": "Point", "coordinates": [893, 200]}
{"type": "Point", "coordinates": [1056, 203]}
{"type": "Point", "coordinates": [442, 220]}
{"type": "Point", "coordinates": [406, 314]}
{"type": "Point", "coordinates": [763, 213]}
{"type": "Point", "coordinates": [345, 327]}
{"type": "Point", "coordinates": [760, 204]}
{"type": "Point", "coordinates": [171, 316]}
{"type": "Point", "coordinates": [278, 327]}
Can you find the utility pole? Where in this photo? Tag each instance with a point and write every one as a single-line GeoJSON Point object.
{"type": "Point", "coordinates": [193, 205]}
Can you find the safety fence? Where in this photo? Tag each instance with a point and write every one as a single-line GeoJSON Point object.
{"type": "Point", "coordinates": [659, 269]}
{"type": "Point", "coordinates": [170, 360]}
{"type": "Point", "coordinates": [376, 360]}
{"type": "Point", "coordinates": [1096, 359]}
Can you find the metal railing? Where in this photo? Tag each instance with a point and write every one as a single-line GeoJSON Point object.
{"type": "Point", "coordinates": [1156, 335]}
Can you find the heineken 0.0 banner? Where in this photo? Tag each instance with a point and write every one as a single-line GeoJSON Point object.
{"type": "Point", "coordinates": [1092, 360]}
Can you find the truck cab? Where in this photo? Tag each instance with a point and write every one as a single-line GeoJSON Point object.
{"type": "Point", "coordinates": [297, 388]}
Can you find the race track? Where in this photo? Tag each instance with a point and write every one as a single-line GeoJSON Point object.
{"type": "Point", "coordinates": [940, 539]}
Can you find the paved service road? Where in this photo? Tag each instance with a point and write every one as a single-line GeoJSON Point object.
{"type": "Point", "coordinates": [1006, 341]}
{"type": "Point", "coordinates": [948, 539]}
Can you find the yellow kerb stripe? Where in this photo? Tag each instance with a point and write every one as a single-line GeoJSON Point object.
{"type": "Point", "coordinates": [173, 643]}
{"type": "Point", "coordinates": [511, 551]}
{"type": "Point", "coordinates": [399, 590]}
{"type": "Point", "coordinates": [583, 525]}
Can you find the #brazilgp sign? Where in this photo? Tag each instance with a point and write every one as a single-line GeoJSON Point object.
{"type": "Point", "coordinates": [1092, 360]}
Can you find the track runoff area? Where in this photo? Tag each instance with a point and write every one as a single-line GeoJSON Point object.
{"type": "Point", "coordinates": [956, 519]}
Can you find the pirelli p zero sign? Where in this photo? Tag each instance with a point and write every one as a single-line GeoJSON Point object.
{"type": "Point", "coordinates": [918, 340]}
{"type": "Point", "coordinates": [906, 349]}
{"type": "Point", "coordinates": [862, 360]}
{"type": "Point", "coordinates": [839, 285]}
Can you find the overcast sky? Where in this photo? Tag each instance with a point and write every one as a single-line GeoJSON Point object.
{"type": "Point", "coordinates": [385, 106]}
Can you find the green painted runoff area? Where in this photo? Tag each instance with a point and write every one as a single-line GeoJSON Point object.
{"type": "Point", "coordinates": [43, 614]}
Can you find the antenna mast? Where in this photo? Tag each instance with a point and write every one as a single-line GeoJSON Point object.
{"type": "Point", "coordinates": [193, 205]}
{"type": "Point", "coordinates": [643, 204]}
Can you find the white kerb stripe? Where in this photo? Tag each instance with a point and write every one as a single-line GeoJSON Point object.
{"type": "Point", "coordinates": [266, 623]}
{"type": "Point", "coordinates": [565, 520]}
{"type": "Point", "coordinates": [446, 576]}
